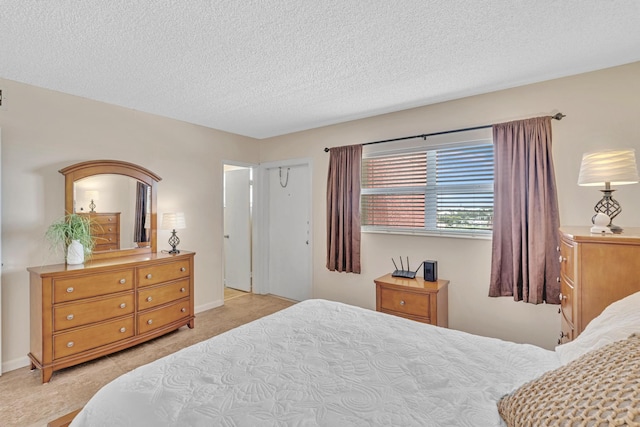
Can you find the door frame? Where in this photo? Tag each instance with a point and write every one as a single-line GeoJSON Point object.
{"type": "Point", "coordinates": [254, 220]}
{"type": "Point", "coordinates": [261, 220]}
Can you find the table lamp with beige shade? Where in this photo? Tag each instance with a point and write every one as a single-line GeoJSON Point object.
{"type": "Point", "coordinates": [608, 167]}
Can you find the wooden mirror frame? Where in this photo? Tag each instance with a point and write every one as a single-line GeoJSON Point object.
{"type": "Point", "coordinates": [82, 170]}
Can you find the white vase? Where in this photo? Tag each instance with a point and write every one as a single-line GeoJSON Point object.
{"type": "Point", "coordinates": [75, 253]}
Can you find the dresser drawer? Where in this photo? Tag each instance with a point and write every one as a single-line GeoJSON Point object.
{"type": "Point", "coordinates": [99, 230]}
{"type": "Point", "coordinates": [106, 247]}
{"type": "Point", "coordinates": [406, 302]}
{"type": "Point", "coordinates": [154, 296]}
{"type": "Point", "coordinates": [567, 332]}
{"type": "Point", "coordinates": [104, 220]}
{"type": "Point", "coordinates": [160, 317]}
{"type": "Point", "coordinates": [84, 312]}
{"type": "Point", "coordinates": [567, 260]}
{"type": "Point", "coordinates": [106, 239]}
{"type": "Point", "coordinates": [102, 229]}
{"type": "Point", "coordinates": [567, 293]}
{"type": "Point", "coordinates": [163, 273]}
{"type": "Point", "coordinates": [69, 289]}
{"type": "Point", "coordinates": [79, 340]}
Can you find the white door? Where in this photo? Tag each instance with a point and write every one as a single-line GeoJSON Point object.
{"type": "Point", "coordinates": [0, 265]}
{"type": "Point", "coordinates": [289, 247]}
{"type": "Point", "coordinates": [237, 229]}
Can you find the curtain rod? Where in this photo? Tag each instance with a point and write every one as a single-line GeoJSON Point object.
{"type": "Point", "coordinates": [557, 116]}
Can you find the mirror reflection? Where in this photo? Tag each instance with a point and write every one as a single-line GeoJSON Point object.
{"type": "Point", "coordinates": [120, 207]}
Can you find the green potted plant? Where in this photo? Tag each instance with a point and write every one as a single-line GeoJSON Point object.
{"type": "Point", "coordinates": [72, 232]}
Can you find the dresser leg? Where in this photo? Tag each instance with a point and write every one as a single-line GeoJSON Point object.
{"type": "Point", "coordinates": [46, 374]}
{"type": "Point", "coordinates": [192, 323]}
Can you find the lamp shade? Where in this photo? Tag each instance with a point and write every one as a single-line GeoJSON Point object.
{"type": "Point", "coordinates": [617, 167]}
{"type": "Point", "coordinates": [173, 221]}
{"type": "Point", "coordinates": [92, 195]}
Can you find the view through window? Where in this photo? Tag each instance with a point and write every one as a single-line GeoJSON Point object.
{"type": "Point", "coordinates": [440, 189]}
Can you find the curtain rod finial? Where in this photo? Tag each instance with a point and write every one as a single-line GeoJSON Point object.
{"type": "Point", "coordinates": [326, 150]}
{"type": "Point", "coordinates": [558, 116]}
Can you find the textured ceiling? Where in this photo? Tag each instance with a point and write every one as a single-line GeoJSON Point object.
{"type": "Point", "coordinates": [266, 67]}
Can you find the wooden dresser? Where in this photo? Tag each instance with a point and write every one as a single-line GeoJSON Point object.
{"type": "Point", "coordinates": [105, 229]}
{"type": "Point", "coordinates": [415, 299]}
{"type": "Point", "coordinates": [82, 312]}
{"type": "Point", "coordinates": [595, 271]}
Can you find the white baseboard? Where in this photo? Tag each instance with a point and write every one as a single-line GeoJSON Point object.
{"type": "Point", "coordinates": [21, 362]}
{"type": "Point", "coordinates": [18, 363]}
{"type": "Point", "coordinates": [208, 306]}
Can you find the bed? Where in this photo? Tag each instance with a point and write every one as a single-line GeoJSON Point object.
{"type": "Point", "coordinates": [321, 363]}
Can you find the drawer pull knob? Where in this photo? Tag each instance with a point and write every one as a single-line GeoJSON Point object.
{"type": "Point", "coordinates": [557, 248]}
{"type": "Point", "coordinates": [402, 302]}
{"type": "Point", "coordinates": [150, 321]}
{"type": "Point", "coordinates": [183, 269]}
{"type": "Point", "coordinates": [70, 317]}
{"type": "Point", "coordinates": [149, 299]}
{"type": "Point", "coordinates": [184, 310]}
{"type": "Point", "coordinates": [123, 305]}
{"type": "Point", "coordinates": [123, 281]}
{"type": "Point", "coordinates": [109, 229]}
{"type": "Point", "coordinates": [123, 329]}
{"type": "Point", "coordinates": [149, 276]}
{"type": "Point", "coordinates": [70, 344]}
{"type": "Point", "coordinates": [110, 219]}
{"type": "Point", "coordinates": [558, 279]}
{"type": "Point", "coordinates": [563, 335]}
{"type": "Point", "coordinates": [182, 289]}
{"type": "Point", "coordinates": [562, 297]}
{"type": "Point", "coordinates": [559, 341]}
{"type": "Point", "coordinates": [69, 289]}
{"type": "Point", "coordinates": [559, 310]}
{"type": "Point", "coordinates": [562, 259]}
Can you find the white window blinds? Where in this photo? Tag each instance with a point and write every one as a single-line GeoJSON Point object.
{"type": "Point", "coordinates": [446, 188]}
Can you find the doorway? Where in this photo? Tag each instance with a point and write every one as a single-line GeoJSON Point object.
{"type": "Point", "coordinates": [237, 218]}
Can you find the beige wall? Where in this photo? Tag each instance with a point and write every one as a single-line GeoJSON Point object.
{"type": "Point", "coordinates": [603, 110]}
{"type": "Point", "coordinates": [43, 131]}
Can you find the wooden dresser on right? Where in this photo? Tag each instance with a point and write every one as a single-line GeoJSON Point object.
{"type": "Point", "coordinates": [595, 270]}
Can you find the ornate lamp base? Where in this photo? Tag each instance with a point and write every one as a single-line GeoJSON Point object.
{"type": "Point", "coordinates": [610, 206]}
{"type": "Point", "coordinates": [174, 241]}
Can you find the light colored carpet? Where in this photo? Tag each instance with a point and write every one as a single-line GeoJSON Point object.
{"type": "Point", "coordinates": [24, 401]}
{"type": "Point", "coordinates": [230, 293]}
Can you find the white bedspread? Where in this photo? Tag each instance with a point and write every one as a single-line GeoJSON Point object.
{"type": "Point", "coordinates": [321, 363]}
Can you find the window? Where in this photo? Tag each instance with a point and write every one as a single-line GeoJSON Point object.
{"type": "Point", "coordinates": [444, 189]}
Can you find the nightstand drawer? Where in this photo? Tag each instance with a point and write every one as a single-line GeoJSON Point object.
{"type": "Point", "coordinates": [405, 302]}
{"type": "Point", "coordinates": [415, 299]}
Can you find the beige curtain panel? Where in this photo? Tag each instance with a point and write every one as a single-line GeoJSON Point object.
{"type": "Point", "coordinates": [343, 209]}
{"type": "Point", "coordinates": [525, 227]}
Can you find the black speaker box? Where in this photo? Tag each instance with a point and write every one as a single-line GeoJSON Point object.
{"type": "Point", "coordinates": [430, 271]}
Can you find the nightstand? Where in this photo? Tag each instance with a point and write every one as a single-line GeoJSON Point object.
{"type": "Point", "coordinates": [414, 299]}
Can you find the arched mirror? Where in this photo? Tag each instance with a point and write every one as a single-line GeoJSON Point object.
{"type": "Point", "coordinates": [120, 198]}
